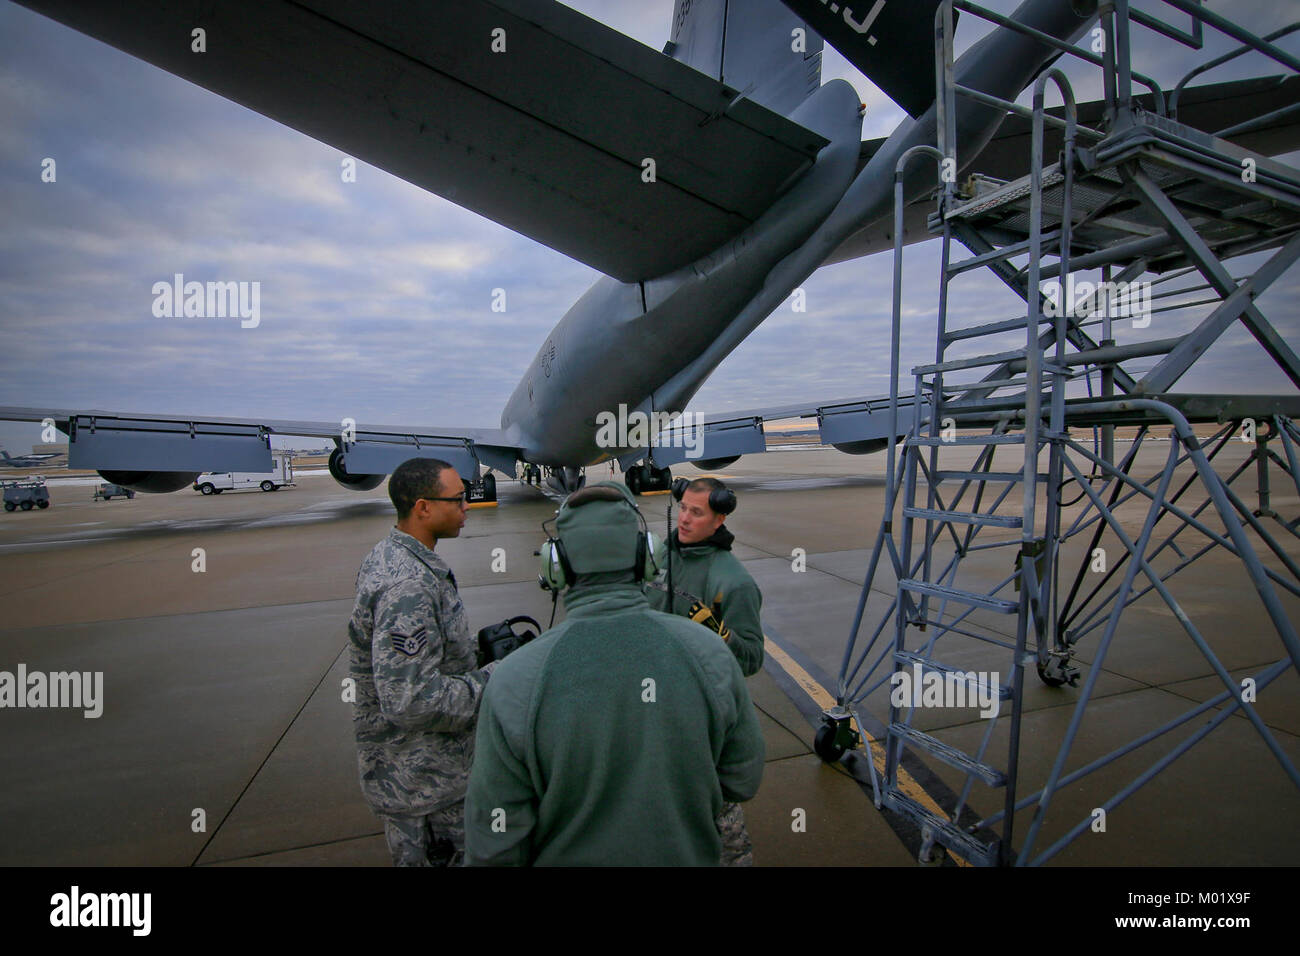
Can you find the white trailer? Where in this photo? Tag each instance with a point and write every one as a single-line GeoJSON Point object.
{"type": "Point", "coordinates": [214, 483]}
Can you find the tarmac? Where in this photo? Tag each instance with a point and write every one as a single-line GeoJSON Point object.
{"type": "Point", "coordinates": [219, 626]}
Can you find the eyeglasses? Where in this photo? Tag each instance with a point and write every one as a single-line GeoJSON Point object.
{"type": "Point", "coordinates": [459, 499]}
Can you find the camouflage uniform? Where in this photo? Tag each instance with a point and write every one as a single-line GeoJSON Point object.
{"type": "Point", "coordinates": [418, 693]}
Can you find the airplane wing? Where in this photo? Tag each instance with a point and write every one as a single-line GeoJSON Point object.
{"type": "Point", "coordinates": [1216, 106]}
{"type": "Point", "coordinates": [523, 111]}
{"type": "Point", "coordinates": [857, 425]}
{"type": "Point", "coordinates": [183, 445]}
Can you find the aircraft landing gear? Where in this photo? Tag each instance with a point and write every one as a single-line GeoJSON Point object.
{"type": "Point", "coordinates": [482, 490]}
{"type": "Point", "coordinates": [566, 480]}
{"type": "Point", "coordinates": [646, 477]}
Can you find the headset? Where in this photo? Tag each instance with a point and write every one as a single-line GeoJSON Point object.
{"type": "Point", "coordinates": [721, 499]}
{"type": "Point", "coordinates": [556, 572]}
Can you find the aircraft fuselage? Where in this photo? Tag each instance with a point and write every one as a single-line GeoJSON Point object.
{"type": "Point", "coordinates": [649, 346]}
{"type": "Point", "coordinates": [621, 342]}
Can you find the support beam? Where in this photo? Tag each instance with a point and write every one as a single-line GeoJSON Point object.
{"type": "Point", "coordinates": [1237, 301]}
{"type": "Point", "coordinates": [976, 243]}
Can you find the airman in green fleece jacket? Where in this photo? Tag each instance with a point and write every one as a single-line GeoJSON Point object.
{"type": "Point", "coordinates": [614, 738]}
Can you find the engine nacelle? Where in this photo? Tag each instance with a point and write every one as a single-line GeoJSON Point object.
{"type": "Point", "coordinates": [352, 482]}
{"type": "Point", "coordinates": [866, 447]}
{"type": "Point", "coordinates": [153, 482]}
{"type": "Point", "coordinates": [713, 464]}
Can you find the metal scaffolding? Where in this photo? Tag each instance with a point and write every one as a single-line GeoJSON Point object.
{"type": "Point", "coordinates": [1135, 193]}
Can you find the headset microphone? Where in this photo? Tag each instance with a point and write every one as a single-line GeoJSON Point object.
{"type": "Point", "coordinates": [592, 548]}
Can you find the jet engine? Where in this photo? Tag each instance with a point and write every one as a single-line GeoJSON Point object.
{"type": "Point", "coordinates": [348, 481]}
{"type": "Point", "coordinates": [713, 464]}
{"type": "Point", "coordinates": [865, 447]}
{"type": "Point", "coordinates": [153, 482]}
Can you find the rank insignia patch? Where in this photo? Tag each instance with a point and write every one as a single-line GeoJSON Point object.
{"type": "Point", "coordinates": [411, 644]}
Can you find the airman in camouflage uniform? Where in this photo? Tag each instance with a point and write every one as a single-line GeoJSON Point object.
{"type": "Point", "coordinates": [413, 661]}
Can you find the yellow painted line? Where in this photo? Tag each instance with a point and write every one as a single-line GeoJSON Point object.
{"type": "Point", "coordinates": [662, 491]}
{"type": "Point", "coordinates": [823, 699]}
{"type": "Point", "coordinates": [483, 504]}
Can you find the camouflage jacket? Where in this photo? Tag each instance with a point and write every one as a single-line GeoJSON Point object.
{"type": "Point", "coordinates": [417, 687]}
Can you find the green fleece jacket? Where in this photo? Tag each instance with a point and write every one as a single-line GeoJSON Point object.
{"type": "Point", "coordinates": [709, 572]}
{"type": "Point", "coordinates": [613, 739]}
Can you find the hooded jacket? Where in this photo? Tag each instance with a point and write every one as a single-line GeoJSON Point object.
{"type": "Point", "coordinates": [708, 572]}
{"type": "Point", "coordinates": [613, 739]}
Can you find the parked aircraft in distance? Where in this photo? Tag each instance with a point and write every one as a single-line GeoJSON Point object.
{"type": "Point", "coordinates": [25, 461]}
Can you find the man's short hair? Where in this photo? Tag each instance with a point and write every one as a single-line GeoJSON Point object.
{"type": "Point", "coordinates": [708, 485]}
{"type": "Point", "coordinates": [413, 479]}
{"type": "Point", "coordinates": [724, 503]}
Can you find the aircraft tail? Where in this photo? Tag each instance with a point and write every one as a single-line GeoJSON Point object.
{"type": "Point", "coordinates": [890, 41]}
{"type": "Point", "coordinates": [758, 47]}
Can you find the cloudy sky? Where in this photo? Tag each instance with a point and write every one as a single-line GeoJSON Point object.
{"type": "Point", "coordinates": [376, 295]}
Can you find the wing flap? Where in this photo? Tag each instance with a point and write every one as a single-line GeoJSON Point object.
{"type": "Point", "coordinates": [856, 425]}
{"type": "Point", "coordinates": [126, 441]}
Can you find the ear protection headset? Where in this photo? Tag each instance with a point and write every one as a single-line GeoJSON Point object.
{"type": "Point", "coordinates": [722, 500]}
{"type": "Point", "coordinates": [556, 571]}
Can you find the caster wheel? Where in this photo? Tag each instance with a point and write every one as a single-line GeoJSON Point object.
{"type": "Point", "coordinates": [1051, 680]}
{"type": "Point", "coordinates": [825, 746]}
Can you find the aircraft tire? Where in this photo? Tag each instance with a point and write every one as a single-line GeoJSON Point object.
{"type": "Point", "coordinates": [633, 479]}
{"type": "Point", "coordinates": [824, 744]}
{"type": "Point", "coordinates": [206, 488]}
